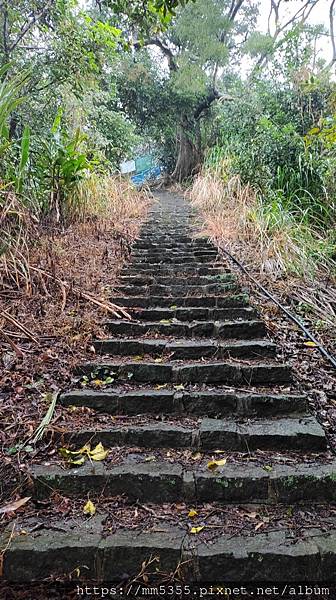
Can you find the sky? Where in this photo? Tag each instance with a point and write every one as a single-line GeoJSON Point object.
{"type": "Point", "coordinates": [319, 15]}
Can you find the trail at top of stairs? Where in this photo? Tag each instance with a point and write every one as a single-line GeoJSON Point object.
{"type": "Point", "coordinates": [193, 378]}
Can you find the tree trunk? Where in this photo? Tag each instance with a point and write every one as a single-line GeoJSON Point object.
{"type": "Point", "coordinates": [189, 152]}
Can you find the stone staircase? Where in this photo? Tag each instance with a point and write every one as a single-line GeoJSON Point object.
{"type": "Point", "coordinates": [194, 371]}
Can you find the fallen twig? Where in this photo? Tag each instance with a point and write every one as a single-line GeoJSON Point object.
{"type": "Point", "coordinates": [17, 324]}
{"type": "Point", "coordinates": [118, 311]}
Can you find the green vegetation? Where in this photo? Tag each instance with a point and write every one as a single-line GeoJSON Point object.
{"type": "Point", "coordinates": [84, 86]}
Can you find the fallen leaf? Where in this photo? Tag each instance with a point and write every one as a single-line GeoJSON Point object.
{"type": "Point", "coordinates": [150, 458]}
{"type": "Point", "coordinates": [197, 529]}
{"type": "Point", "coordinates": [98, 453]}
{"type": "Point", "coordinates": [259, 525]}
{"type": "Point", "coordinates": [161, 386]}
{"type": "Point", "coordinates": [192, 513]}
{"type": "Point", "coordinates": [310, 344]}
{"type": "Point", "coordinates": [268, 468]}
{"type": "Point", "coordinates": [89, 508]}
{"type": "Point", "coordinates": [214, 464]}
{"type": "Point", "coordinates": [13, 506]}
{"type": "Point", "coordinates": [179, 387]}
{"type": "Point", "coordinates": [196, 456]}
{"type": "Point", "coordinates": [78, 457]}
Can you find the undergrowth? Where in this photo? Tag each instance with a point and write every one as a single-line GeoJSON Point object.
{"type": "Point", "coordinates": [270, 239]}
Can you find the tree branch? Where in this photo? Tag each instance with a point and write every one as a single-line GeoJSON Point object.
{"type": "Point", "coordinates": [164, 49]}
{"type": "Point", "coordinates": [27, 26]}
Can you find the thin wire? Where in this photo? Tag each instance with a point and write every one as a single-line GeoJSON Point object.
{"type": "Point", "coordinates": [292, 317]}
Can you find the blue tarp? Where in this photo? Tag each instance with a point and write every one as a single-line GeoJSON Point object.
{"type": "Point", "coordinates": [140, 178]}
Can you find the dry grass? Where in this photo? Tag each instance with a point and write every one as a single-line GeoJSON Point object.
{"type": "Point", "coordinates": [51, 325]}
{"type": "Point", "coordinates": [269, 241]}
{"type": "Point", "coordinates": [17, 227]}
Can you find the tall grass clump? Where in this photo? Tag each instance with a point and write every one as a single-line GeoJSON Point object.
{"type": "Point", "coordinates": [277, 239]}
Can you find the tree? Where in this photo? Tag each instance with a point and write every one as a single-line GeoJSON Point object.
{"type": "Point", "coordinates": [197, 48]}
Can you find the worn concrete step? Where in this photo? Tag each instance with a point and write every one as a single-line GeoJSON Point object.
{"type": "Point", "coordinates": [214, 403]}
{"type": "Point", "coordinates": [150, 279]}
{"type": "Point", "coordinates": [224, 373]}
{"type": "Point", "coordinates": [166, 482]}
{"type": "Point", "coordinates": [186, 348]}
{"type": "Point", "coordinates": [277, 556]}
{"type": "Point", "coordinates": [194, 314]}
{"type": "Point", "coordinates": [175, 290]}
{"type": "Point", "coordinates": [222, 301]}
{"type": "Point", "coordinates": [217, 329]}
{"type": "Point", "coordinates": [286, 433]}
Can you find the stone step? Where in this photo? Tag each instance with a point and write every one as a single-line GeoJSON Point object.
{"type": "Point", "coordinates": [218, 329]}
{"type": "Point", "coordinates": [182, 280]}
{"type": "Point", "coordinates": [223, 373]}
{"type": "Point", "coordinates": [162, 270]}
{"type": "Point", "coordinates": [286, 433]}
{"type": "Point", "coordinates": [179, 258]}
{"type": "Point", "coordinates": [166, 482]}
{"type": "Point", "coordinates": [181, 254]}
{"type": "Point", "coordinates": [169, 401]}
{"type": "Point", "coordinates": [194, 314]}
{"type": "Point", "coordinates": [185, 348]}
{"type": "Point", "coordinates": [223, 301]}
{"type": "Point", "coordinates": [196, 244]}
{"type": "Point", "coordinates": [277, 556]}
{"type": "Point", "coordinates": [172, 269]}
{"type": "Point", "coordinates": [176, 290]}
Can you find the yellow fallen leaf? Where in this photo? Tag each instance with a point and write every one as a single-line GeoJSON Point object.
{"type": "Point", "coordinates": [310, 344]}
{"type": "Point", "coordinates": [98, 453]}
{"type": "Point", "coordinates": [98, 382]}
{"type": "Point", "coordinates": [89, 508]}
{"type": "Point", "coordinates": [78, 457]}
{"type": "Point", "coordinates": [150, 458]}
{"type": "Point", "coordinates": [158, 360]}
{"type": "Point", "coordinates": [267, 468]}
{"type": "Point", "coordinates": [179, 387]}
{"type": "Point", "coordinates": [73, 458]}
{"type": "Point", "coordinates": [197, 529]}
{"type": "Point", "coordinates": [192, 513]}
{"type": "Point", "coordinates": [161, 386]}
{"type": "Point", "coordinates": [214, 464]}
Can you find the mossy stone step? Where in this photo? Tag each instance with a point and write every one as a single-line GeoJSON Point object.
{"type": "Point", "coordinates": [293, 434]}
{"type": "Point", "coordinates": [186, 349]}
{"type": "Point", "coordinates": [164, 482]}
{"type": "Point", "coordinates": [223, 373]}
{"type": "Point", "coordinates": [182, 268]}
{"type": "Point", "coordinates": [217, 329]}
{"type": "Point", "coordinates": [175, 290]}
{"type": "Point", "coordinates": [150, 279]}
{"type": "Point", "coordinates": [277, 556]}
{"type": "Point", "coordinates": [214, 301]}
{"type": "Point", "coordinates": [194, 314]}
{"type": "Point", "coordinates": [214, 403]}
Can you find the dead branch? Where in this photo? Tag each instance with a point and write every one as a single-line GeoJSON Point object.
{"type": "Point", "coordinates": [118, 311]}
